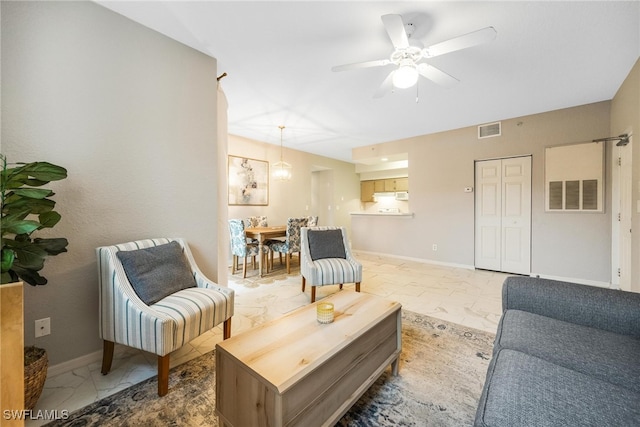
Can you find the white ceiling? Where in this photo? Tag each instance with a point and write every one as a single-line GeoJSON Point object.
{"type": "Point", "coordinates": [278, 56]}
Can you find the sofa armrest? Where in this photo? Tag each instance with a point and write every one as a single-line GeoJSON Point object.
{"type": "Point", "coordinates": [608, 309]}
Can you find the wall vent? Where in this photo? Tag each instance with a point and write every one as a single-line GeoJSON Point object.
{"type": "Point", "coordinates": [489, 130]}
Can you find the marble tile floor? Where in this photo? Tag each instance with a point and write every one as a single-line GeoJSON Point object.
{"type": "Point", "coordinates": [467, 297]}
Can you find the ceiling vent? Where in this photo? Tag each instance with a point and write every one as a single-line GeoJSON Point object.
{"type": "Point", "coordinates": [489, 130]}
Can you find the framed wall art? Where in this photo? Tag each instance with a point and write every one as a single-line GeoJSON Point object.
{"type": "Point", "coordinates": [248, 181]}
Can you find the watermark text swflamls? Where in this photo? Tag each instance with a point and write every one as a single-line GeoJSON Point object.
{"type": "Point", "coordinates": [41, 414]}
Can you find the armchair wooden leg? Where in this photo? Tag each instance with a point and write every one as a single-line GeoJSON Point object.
{"type": "Point", "coordinates": [244, 268]}
{"type": "Point", "coordinates": [340, 286]}
{"type": "Point", "coordinates": [304, 283]}
{"type": "Point", "coordinates": [226, 328]}
{"type": "Point", "coordinates": [288, 264]}
{"type": "Point", "coordinates": [107, 356]}
{"type": "Point", "coordinates": [163, 375]}
{"type": "Point", "coordinates": [313, 294]}
{"type": "Point", "coordinates": [357, 286]}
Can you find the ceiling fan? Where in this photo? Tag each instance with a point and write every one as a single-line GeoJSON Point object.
{"type": "Point", "coordinates": [409, 52]}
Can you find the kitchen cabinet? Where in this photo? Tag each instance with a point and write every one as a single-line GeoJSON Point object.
{"type": "Point", "coordinates": [366, 191]}
{"type": "Point", "coordinates": [379, 185]}
{"type": "Point", "coordinates": [369, 187]}
{"type": "Point", "coordinates": [396, 184]}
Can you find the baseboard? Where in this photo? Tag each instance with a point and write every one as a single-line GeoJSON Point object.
{"type": "Point", "coordinates": [574, 280]}
{"type": "Point", "coordinates": [420, 260]}
{"type": "Point", "coordinates": [597, 283]}
{"type": "Point", "coordinates": [76, 363]}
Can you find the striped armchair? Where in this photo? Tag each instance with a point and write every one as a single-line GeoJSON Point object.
{"type": "Point", "coordinates": [165, 325]}
{"type": "Point", "coordinates": [326, 259]}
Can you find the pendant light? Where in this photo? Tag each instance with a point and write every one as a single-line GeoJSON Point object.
{"type": "Point", "coordinates": [281, 169]}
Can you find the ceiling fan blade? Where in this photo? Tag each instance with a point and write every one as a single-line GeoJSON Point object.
{"type": "Point", "coordinates": [395, 28]}
{"type": "Point", "coordinates": [475, 38]}
{"type": "Point", "coordinates": [385, 87]}
{"type": "Point", "coordinates": [436, 75]}
{"type": "Point", "coordinates": [357, 65]}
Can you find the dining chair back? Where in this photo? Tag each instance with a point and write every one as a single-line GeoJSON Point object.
{"type": "Point", "coordinates": [256, 221]}
{"type": "Point", "coordinates": [240, 247]}
{"type": "Point", "coordinates": [291, 244]}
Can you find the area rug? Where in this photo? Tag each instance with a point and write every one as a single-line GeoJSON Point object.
{"type": "Point", "coordinates": [442, 370]}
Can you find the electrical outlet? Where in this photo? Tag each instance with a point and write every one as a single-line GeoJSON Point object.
{"type": "Point", "coordinates": [43, 327]}
{"type": "Point", "coordinates": [434, 247]}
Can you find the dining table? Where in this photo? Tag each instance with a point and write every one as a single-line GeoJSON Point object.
{"type": "Point", "coordinates": [262, 234]}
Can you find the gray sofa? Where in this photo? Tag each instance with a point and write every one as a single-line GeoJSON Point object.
{"type": "Point", "coordinates": [564, 355]}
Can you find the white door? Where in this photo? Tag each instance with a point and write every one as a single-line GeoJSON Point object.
{"type": "Point", "coordinates": [503, 215]}
{"type": "Point", "coordinates": [621, 217]}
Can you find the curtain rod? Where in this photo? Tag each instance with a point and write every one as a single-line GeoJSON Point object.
{"type": "Point", "coordinates": [622, 139]}
{"type": "Point", "coordinates": [221, 76]}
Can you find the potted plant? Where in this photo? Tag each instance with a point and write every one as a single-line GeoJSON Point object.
{"type": "Point", "coordinates": [27, 208]}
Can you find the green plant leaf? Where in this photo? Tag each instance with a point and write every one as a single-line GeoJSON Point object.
{"type": "Point", "coordinates": [18, 226]}
{"type": "Point", "coordinates": [31, 277]}
{"type": "Point", "coordinates": [7, 260]}
{"type": "Point", "coordinates": [42, 171]}
{"type": "Point", "coordinates": [49, 219]}
{"type": "Point", "coordinates": [22, 257]}
{"type": "Point", "coordinates": [35, 182]}
{"type": "Point", "coordinates": [33, 193]}
{"type": "Point", "coordinates": [8, 277]}
{"type": "Point", "coordinates": [29, 256]}
{"type": "Point", "coordinates": [34, 206]}
{"type": "Point", "coordinates": [53, 246]}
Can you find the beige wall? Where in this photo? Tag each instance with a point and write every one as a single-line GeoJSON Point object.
{"type": "Point", "coordinates": [625, 117]}
{"type": "Point", "coordinates": [564, 245]}
{"type": "Point", "coordinates": [334, 183]}
{"type": "Point", "coordinates": [132, 115]}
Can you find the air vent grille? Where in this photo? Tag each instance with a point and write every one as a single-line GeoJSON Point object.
{"type": "Point", "coordinates": [489, 130]}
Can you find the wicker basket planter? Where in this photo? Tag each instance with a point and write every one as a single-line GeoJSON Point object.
{"type": "Point", "coordinates": [36, 363]}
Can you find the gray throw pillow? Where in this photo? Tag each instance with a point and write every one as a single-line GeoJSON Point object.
{"type": "Point", "coordinates": [326, 244]}
{"type": "Point", "coordinates": [157, 272]}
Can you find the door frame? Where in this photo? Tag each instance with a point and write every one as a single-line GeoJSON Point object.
{"type": "Point", "coordinates": [475, 215]}
{"type": "Point", "coordinates": [621, 203]}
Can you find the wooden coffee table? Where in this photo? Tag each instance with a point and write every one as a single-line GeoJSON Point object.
{"type": "Point", "coordinates": [294, 371]}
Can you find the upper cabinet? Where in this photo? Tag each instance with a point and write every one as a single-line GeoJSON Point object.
{"type": "Point", "coordinates": [396, 184]}
{"type": "Point", "coordinates": [368, 188]}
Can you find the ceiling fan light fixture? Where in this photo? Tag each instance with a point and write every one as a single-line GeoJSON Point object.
{"type": "Point", "coordinates": [405, 76]}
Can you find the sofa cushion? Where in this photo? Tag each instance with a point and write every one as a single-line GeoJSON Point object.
{"type": "Point", "coordinates": [609, 309]}
{"type": "Point", "coordinates": [605, 355]}
{"type": "Point", "coordinates": [522, 390]}
{"type": "Point", "coordinates": [157, 272]}
{"type": "Point", "coordinates": [326, 244]}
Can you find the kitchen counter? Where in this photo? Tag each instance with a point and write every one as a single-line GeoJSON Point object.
{"type": "Point", "coordinates": [399, 214]}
